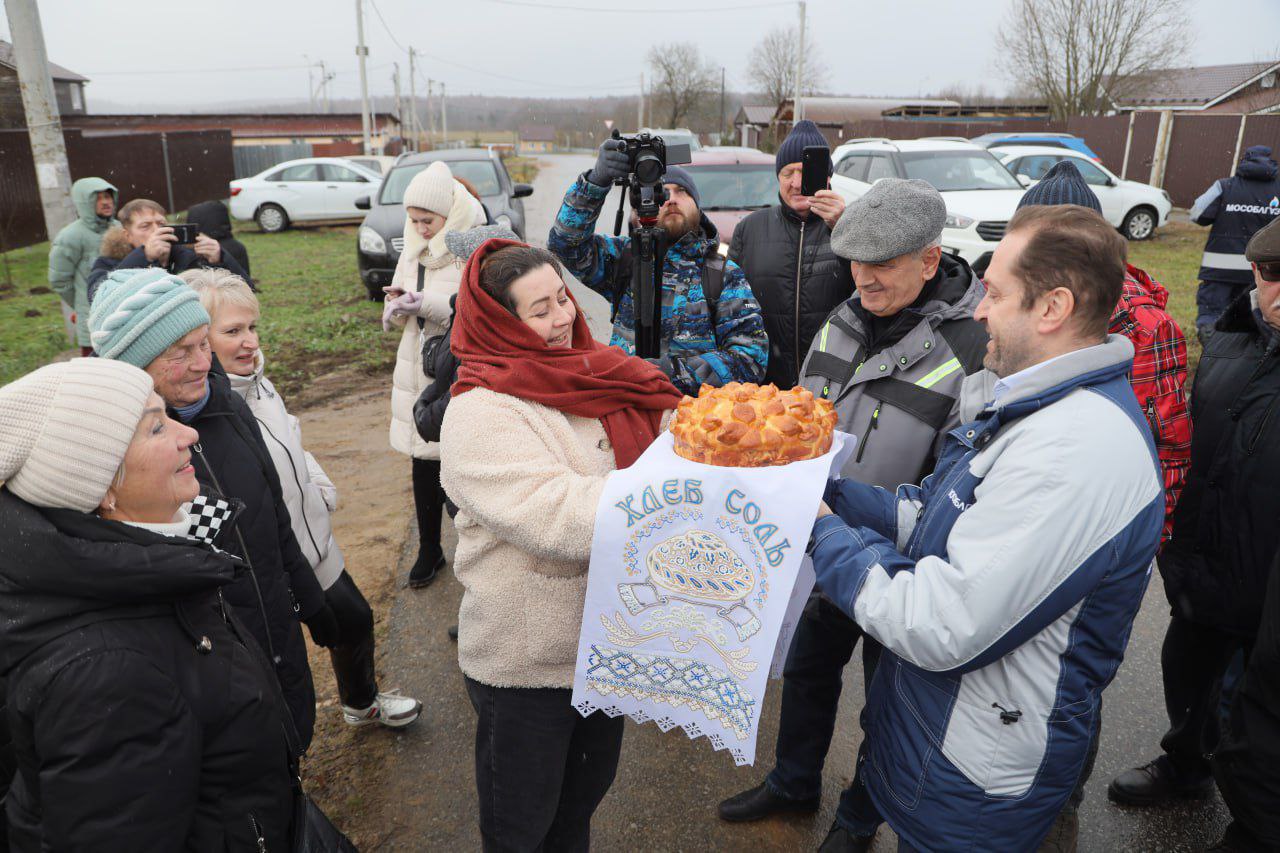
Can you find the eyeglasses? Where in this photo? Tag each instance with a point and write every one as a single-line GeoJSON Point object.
{"type": "Point", "coordinates": [1269, 271]}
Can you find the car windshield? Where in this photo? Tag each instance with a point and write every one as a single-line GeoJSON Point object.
{"type": "Point", "coordinates": [736, 186]}
{"type": "Point", "coordinates": [954, 171]}
{"type": "Point", "coordinates": [481, 173]}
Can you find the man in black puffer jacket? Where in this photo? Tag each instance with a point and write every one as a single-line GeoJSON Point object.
{"type": "Point", "coordinates": [785, 252]}
{"type": "Point", "coordinates": [1225, 538]}
{"type": "Point", "coordinates": [154, 321]}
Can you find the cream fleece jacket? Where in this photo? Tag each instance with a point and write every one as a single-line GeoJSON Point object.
{"type": "Point", "coordinates": [526, 479]}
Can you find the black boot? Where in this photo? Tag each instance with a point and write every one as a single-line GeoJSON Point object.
{"type": "Point", "coordinates": [1157, 783]}
{"type": "Point", "coordinates": [425, 569]}
{"type": "Point", "coordinates": [761, 802]}
{"type": "Point", "coordinates": [841, 840]}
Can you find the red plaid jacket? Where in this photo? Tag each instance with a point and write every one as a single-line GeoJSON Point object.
{"type": "Point", "coordinates": [1159, 374]}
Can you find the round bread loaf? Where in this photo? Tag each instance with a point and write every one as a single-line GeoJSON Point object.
{"type": "Point", "coordinates": [751, 426]}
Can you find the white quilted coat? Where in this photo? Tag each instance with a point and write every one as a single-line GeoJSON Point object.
{"type": "Point", "coordinates": [442, 276]}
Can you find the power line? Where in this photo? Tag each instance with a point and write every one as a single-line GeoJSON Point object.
{"type": "Point", "coordinates": [525, 80]}
{"type": "Point", "coordinates": [390, 34]}
{"type": "Point", "coordinates": [222, 70]}
{"type": "Point", "coordinates": [639, 9]}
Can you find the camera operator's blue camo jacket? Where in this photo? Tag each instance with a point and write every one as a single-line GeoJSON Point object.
{"type": "Point", "coordinates": [736, 350]}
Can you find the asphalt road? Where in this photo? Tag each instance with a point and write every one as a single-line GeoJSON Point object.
{"type": "Point", "coordinates": [667, 786]}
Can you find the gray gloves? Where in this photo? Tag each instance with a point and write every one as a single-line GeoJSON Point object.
{"type": "Point", "coordinates": [611, 164]}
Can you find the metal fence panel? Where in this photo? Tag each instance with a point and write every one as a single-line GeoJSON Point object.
{"type": "Point", "coordinates": [252, 159]}
{"type": "Point", "coordinates": [199, 169]}
{"type": "Point", "coordinates": [21, 216]}
{"type": "Point", "coordinates": [1200, 151]}
{"type": "Point", "coordinates": [1105, 135]}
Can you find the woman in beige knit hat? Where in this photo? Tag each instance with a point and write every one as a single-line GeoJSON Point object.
{"type": "Point", "coordinates": [425, 279]}
{"type": "Point", "coordinates": [136, 699]}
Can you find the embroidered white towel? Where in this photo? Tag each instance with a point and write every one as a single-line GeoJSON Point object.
{"type": "Point", "coordinates": [693, 577]}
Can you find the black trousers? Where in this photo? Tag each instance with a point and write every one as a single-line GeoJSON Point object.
{"type": "Point", "coordinates": [428, 502]}
{"type": "Point", "coordinates": [541, 767]}
{"type": "Point", "coordinates": [812, 681]}
{"type": "Point", "coordinates": [1193, 660]}
{"type": "Point", "coordinates": [353, 656]}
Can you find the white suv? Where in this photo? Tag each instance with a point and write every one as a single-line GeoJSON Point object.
{"type": "Point", "coordinates": [1137, 210]}
{"type": "Point", "coordinates": [980, 193]}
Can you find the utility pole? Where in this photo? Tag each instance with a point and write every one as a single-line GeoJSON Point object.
{"type": "Point", "coordinates": [395, 78]}
{"type": "Point", "coordinates": [444, 117]}
{"type": "Point", "coordinates": [311, 86]}
{"type": "Point", "coordinates": [797, 106]}
{"type": "Point", "coordinates": [413, 101]}
{"type": "Point", "coordinates": [640, 105]}
{"type": "Point", "coordinates": [363, 53]}
{"type": "Point", "coordinates": [431, 116]}
{"type": "Point", "coordinates": [721, 140]}
{"type": "Point", "coordinates": [44, 124]}
{"type": "Point", "coordinates": [325, 77]}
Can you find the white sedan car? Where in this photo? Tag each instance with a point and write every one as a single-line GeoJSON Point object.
{"type": "Point", "coordinates": [1136, 209]}
{"type": "Point", "coordinates": [981, 195]}
{"type": "Point", "coordinates": [317, 188]}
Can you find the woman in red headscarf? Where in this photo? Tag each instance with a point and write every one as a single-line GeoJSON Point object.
{"type": "Point", "coordinates": [540, 415]}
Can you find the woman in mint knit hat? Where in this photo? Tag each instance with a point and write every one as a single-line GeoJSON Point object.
{"type": "Point", "coordinates": [153, 320]}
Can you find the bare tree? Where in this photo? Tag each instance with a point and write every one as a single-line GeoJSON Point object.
{"type": "Point", "coordinates": [1080, 55]}
{"type": "Point", "coordinates": [681, 78]}
{"type": "Point", "coordinates": [772, 66]}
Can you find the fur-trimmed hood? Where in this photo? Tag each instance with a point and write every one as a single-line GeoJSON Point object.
{"type": "Point", "coordinates": [115, 244]}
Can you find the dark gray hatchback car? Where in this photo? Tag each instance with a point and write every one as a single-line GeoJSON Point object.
{"type": "Point", "coordinates": [381, 235]}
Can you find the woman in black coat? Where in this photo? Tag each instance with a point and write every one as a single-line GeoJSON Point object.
{"type": "Point", "coordinates": [142, 713]}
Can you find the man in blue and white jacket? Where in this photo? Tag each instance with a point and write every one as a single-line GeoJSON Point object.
{"type": "Point", "coordinates": [1004, 587]}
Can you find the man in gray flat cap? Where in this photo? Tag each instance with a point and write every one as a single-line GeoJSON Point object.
{"type": "Point", "coordinates": [892, 359]}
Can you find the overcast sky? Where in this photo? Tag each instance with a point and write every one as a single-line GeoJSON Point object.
{"type": "Point", "coordinates": [140, 56]}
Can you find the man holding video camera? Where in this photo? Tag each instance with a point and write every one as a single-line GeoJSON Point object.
{"type": "Point", "coordinates": [711, 329]}
{"type": "Point", "coordinates": [145, 239]}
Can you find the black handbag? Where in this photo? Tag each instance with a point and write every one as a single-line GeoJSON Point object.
{"type": "Point", "coordinates": [313, 832]}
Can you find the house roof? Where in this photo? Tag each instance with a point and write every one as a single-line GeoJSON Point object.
{"type": "Point", "coordinates": [756, 114]}
{"type": "Point", "coordinates": [537, 133]}
{"type": "Point", "coordinates": [57, 72]}
{"type": "Point", "coordinates": [841, 110]}
{"type": "Point", "coordinates": [1189, 87]}
{"type": "Point", "coordinates": [241, 125]}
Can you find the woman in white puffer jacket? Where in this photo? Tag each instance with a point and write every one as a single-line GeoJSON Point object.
{"type": "Point", "coordinates": [425, 279]}
{"type": "Point", "coordinates": [309, 495]}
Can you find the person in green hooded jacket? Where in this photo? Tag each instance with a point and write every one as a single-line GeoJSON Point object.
{"type": "Point", "coordinates": [74, 249]}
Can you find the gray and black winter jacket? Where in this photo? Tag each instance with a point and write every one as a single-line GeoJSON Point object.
{"type": "Point", "coordinates": [900, 394]}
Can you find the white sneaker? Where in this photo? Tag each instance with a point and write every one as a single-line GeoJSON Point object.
{"type": "Point", "coordinates": [390, 709]}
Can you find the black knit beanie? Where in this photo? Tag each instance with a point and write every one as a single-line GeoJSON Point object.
{"type": "Point", "coordinates": [1063, 184]}
{"type": "Point", "coordinates": [804, 134]}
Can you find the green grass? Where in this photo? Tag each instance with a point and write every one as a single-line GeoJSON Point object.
{"type": "Point", "coordinates": [315, 315]}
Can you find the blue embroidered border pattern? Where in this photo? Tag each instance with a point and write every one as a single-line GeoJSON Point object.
{"type": "Point", "coordinates": [673, 681]}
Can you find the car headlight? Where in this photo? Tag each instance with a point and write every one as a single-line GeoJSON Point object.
{"type": "Point", "coordinates": [1166, 196]}
{"type": "Point", "coordinates": [371, 242]}
{"type": "Point", "coordinates": [957, 220]}
{"type": "Point", "coordinates": [503, 220]}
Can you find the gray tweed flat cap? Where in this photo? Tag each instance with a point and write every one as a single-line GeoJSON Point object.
{"type": "Point", "coordinates": [463, 244]}
{"type": "Point", "coordinates": [895, 217]}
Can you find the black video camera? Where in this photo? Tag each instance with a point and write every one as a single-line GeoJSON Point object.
{"type": "Point", "coordinates": [649, 156]}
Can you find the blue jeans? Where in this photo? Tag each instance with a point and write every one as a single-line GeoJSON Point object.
{"type": "Point", "coordinates": [812, 681]}
{"type": "Point", "coordinates": [1212, 299]}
